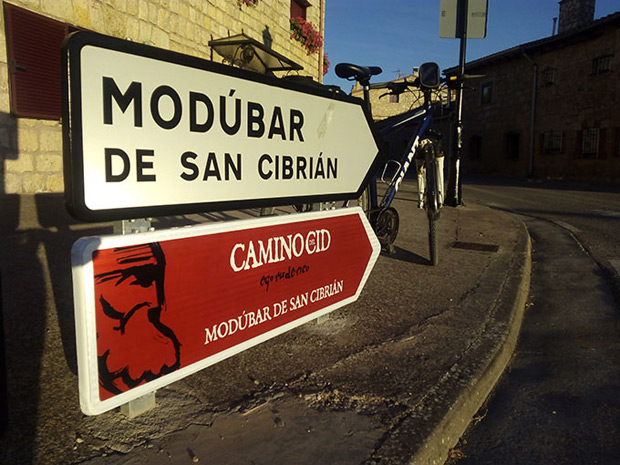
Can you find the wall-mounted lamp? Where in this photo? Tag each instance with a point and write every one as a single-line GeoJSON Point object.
{"type": "Point", "coordinates": [247, 53]}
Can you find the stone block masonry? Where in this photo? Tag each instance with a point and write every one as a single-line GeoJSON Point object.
{"type": "Point", "coordinates": [31, 149]}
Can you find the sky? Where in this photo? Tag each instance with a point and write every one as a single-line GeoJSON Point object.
{"type": "Point", "coordinates": [398, 35]}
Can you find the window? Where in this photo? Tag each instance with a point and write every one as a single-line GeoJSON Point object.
{"type": "Point", "coordinates": [552, 142]}
{"type": "Point", "coordinates": [486, 93]}
{"type": "Point", "coordinates": [548, 76]}
{"type": "Point", "coordinates": [33, 45]}
{"type": "Point", "coordinates": [298, 8]}
{"type": "Point", "coordinates": [590, 142]}
{"type": "Point", "coordinates": [475, 147]}
{"type": "Point", "coordinates": [601, 65]}
{"type": "Point", "coordinates": [512, 145]}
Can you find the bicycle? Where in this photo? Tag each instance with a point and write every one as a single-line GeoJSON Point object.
{"type": "Point", "coordinates": [424, 144]}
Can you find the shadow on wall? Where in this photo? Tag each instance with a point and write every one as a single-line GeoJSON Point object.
{"type": "Point", "coordinates": [9, 212]}
{"type": "Point", "coordinates": [267, 39]}
{"type": "Point", "coordinates": [38, 367]}
{"type": "Point", "coordinates": [8, 147]}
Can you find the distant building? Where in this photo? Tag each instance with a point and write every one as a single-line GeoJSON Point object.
{"type": "Point", "coordinates": [385, 105]}
{"type": "Point", "coordinates": [549, 108]}
{"type": "Point", "coordinates": [31, 35]}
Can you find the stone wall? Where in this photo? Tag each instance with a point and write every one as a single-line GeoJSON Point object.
{"type": "Point", "coordinates": [31, 149]}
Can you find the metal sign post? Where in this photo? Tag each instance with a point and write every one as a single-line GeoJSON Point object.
{"type": "Point", "coordinates": [454, 195]}
{"type": "Point", "coordinates": [461, 19]}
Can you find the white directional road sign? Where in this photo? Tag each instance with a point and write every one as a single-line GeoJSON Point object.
{"type": "Point", "coordinates": [149, 131]}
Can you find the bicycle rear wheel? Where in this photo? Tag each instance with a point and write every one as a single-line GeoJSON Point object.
{"type": "Point", "coordinates": [432, 242]}
{"type": "Point", "coordinates": [432, 201]}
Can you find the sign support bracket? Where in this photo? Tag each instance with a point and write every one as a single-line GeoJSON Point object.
{"type": "Point", "coordinates": [138, 406]}
{"type": "Point", "coordinates": [147, 402]}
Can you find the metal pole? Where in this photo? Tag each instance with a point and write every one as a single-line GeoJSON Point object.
{"type": "Point", "coordinates": [454, 194]}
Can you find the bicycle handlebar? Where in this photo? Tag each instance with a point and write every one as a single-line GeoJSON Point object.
{"type": "Point", "coordinates": [396, 88]}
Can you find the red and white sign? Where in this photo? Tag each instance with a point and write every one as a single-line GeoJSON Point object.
{"type": "Point", "coordinates": [154, 307]}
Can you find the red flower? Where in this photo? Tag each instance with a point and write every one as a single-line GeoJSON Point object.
{"type": "Point", "coordinates": [304, 32]}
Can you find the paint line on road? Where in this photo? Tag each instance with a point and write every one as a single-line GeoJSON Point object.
{"type": "Point", "coordinates": [566, 225]}
{"type": "Point", "coordinates": [609, 213]}
{"type": "Point", "coordinates": [616, 264]}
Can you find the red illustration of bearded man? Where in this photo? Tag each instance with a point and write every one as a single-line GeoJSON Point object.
{"type": "Point", "coordinates": [133, 345]}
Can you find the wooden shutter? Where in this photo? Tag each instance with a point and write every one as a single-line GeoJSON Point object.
{"type": "Point", "coordinates": [33, 43]}
{"type": "Point", "coordinates": [298, 8]}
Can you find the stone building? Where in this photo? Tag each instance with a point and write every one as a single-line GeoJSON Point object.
{"type": "Point", "coordinates": [384, 106]}
{"type": "Point", "coordinates": [32, 32]}
{"type": "Point", "coordinates": [549, 108]}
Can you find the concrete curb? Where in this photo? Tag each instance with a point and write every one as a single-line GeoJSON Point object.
{"type": "Point", "coordinates": [443, 416]}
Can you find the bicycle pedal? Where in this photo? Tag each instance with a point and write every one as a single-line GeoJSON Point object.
{"type": "Point", "coordinates": [387, 246]}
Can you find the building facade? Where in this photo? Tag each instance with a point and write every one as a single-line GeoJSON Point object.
{"type": "Point", "coordinates": [32, 31]}
{"type": "Point", "coordinates": [549, 108]}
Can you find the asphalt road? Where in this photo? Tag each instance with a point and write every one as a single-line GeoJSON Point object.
{"type": "Point", "coordinates": [590, 213]}
{"type": "Point", "coordinates": [559, 400]}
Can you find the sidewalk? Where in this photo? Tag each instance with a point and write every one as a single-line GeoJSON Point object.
{"type": "Point", "coordinates": [393, 378]}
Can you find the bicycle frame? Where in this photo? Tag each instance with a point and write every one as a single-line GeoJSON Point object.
{"type": "Point", "coordinates": [427, 120]}
{"type": "Point", "coordinates": [384, 218]}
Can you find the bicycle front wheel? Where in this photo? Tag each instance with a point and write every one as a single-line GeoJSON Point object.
{"type": "Point", "coordinates": [432, 200]}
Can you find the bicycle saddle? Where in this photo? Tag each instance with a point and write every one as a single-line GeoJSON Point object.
{"type": "Point", "coordinates": [361, 74]}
